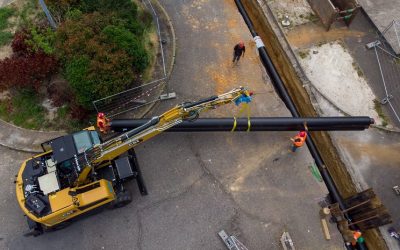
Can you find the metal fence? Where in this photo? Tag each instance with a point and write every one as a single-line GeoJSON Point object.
{"type": "Point", "coordinates": [389, 66]}
{"type": "Point", "coordinates": [134, 100]}
{"type": "Point", "coordinates": [392, 35]}
{"type": "Point", "coordinates": [131, 99]}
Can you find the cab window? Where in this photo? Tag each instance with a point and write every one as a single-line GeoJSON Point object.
{"type": "Point", "coordinates": [82, 141]}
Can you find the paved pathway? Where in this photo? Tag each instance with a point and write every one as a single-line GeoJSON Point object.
{"type": "Point", "coordinates": [246, 183]}
{"type": "Point", "coordinates": [367, 61]}
{"type": "Point", "coordinates": [24, 139]}
{"type": "Point", "coordinates": [382, 13]}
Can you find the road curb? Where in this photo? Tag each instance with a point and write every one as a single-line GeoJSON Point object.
{"type": "Point", "coordinates": [23, 150]}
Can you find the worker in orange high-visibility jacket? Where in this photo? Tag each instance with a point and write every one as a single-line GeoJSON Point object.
{"type": "Point", "coordinates": [299, 139]}
{"type": "Point", "coordinates": [356, 236]}
{"type": "Point", "coordinates": [102, 123]}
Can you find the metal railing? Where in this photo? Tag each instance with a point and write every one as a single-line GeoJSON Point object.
{"type": "Point", "coordinates": [389, 65]}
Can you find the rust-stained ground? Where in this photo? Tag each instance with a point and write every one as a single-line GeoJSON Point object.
{"type": "Point", "coordinates": [309, 34]}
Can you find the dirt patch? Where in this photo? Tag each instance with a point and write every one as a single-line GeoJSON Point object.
{"type": "Point", "coordinates": [5, 51]}
{"type": "Point", "coordinates": [5, 95]}
{"type": "Point", "coordinates": [298, 11]}
{"type": "Point", "coordinates": [295, 88]}
{"type": "Point", "coordinates": [309, 34]}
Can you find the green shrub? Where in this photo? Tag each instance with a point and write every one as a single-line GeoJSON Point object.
{"type": "Point", "coordinates": [127, 41]}
{"type": "Point", "coordinates": [74, 14]}
{"type": "Point", "coordinates": [42, 40]}
{"type": "Point", "coordinates": [76, 72]}
{"type": "Point", "coordinates": [125, 11]}
{"type": "Point", "coordinates": [110, 56]}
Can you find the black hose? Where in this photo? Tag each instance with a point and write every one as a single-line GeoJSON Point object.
{"type": "Point", "coordinates": [256, 124]}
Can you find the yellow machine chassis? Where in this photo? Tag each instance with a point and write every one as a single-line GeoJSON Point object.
{"type": "Point", "coordinates": [65, 206]}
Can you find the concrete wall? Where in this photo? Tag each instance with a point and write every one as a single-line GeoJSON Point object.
{"type": "Point", "coordinates": [325, 10]}
{"type": "Point", "coordinates": [345, 4]}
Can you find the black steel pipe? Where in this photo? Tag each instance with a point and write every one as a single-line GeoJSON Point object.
{"type": "Point", "coordinates": [284, 95]}
{"type": "Point", "coordinates": [257, 124]}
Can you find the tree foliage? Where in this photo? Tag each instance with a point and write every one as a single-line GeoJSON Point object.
{"type": "Point", "coordinates": [100, 56]}
{"type": "Point", "coordinates": [41, 39]}
{"type": "Point", "coordinates": [19, 46]}
{"type": "Point", "coordinates": [26, 71]}
{"type": "Point", "coordinates": [124, 39]}
{"type": "Point", "coordinates": [98, 44]}
{"type": "Point", "coordinates": [27, 68]}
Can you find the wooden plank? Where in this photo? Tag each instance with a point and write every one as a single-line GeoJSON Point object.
{"type": "Point", "coordinates": [325, 229]}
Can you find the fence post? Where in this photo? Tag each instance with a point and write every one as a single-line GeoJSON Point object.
{"type": "Point", "coordinates": [48, 15]}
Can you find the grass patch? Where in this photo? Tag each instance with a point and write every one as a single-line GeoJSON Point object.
{"type": "Point", "coordinates": [63, 115]}
{"type": "Point", "coordinates": [23, 110]}
{"type": "Point", "coordinates": [5, 37]}
{"type": "Point", "coordinates": [5, 14]}
{"type": "Point", "coordinates": [379, 110]}
{"type": "Point", "coordinates": [310, 17]}
{"type": "Point", "coordinates": [358, 69]}
{"type": "Point", "coordinates": [27, 13]}
{"type": "Point", "coordinates": [304, 53]}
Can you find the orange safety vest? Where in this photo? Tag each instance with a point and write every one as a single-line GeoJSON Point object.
{"type": "Point", "coordinates": [101, 124]}
{"type": "Point", "coordinates": [356, 236]}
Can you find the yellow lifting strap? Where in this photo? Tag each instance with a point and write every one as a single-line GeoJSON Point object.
{"type": "Point", "coordinates": [245, 107]}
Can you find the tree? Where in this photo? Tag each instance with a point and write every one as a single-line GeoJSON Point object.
{"type": "Point", "coordinates": [26, 71]}
{"type": "Point", "coordinates": [124, 39]}
{"type": "Point", "coordinates": [100, 56]}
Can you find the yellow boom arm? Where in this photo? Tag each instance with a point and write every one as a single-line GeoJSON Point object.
{"type": "Point", "coordinates": [185, 111]}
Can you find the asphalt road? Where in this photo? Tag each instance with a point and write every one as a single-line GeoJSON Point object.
{"type": "Point", "coordinates": [247, 184]}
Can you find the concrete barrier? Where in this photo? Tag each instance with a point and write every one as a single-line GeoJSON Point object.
{"type": "Point", "coordinates": [330, 11]}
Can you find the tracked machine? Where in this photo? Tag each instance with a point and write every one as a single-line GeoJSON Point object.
{"type": "Point", "coordinates": [79, 173]}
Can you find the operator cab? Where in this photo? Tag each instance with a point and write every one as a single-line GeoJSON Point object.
{"type": "Point", "coordinates": [78, 142]}
{"type": "Point", "coordinates": [55, 170]}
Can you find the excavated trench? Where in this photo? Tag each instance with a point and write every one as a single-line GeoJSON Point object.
{"type": "Point", "coordinates": [267, 29]}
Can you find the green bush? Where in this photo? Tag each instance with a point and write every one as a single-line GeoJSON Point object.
{"type": "Point", "coordinates": [76, 72]}
{"type": "Point", "coordinates": [42, 40]}
{"type": "Point", "coordinates": [110, 56]}
{"type": "Point", "coordinates": [74, 14]}
{"type": "Point", "coordinates": [127, 41]}
{"type": "Point", "coordinates": [125, 10]}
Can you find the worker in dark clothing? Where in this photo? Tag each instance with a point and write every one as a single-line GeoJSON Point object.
{"type": "Point", "coordinates": [238, 51]}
